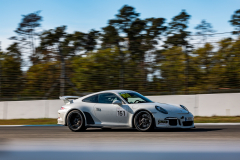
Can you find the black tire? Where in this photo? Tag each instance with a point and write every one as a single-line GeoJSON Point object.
{"type": "Point", "coordinates": [143, 121]}
{"type": "Point", "coordinates": [75, 121]}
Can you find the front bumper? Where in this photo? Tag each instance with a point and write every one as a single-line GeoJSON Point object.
{"type": "Point", "coordinates": [174, 120]}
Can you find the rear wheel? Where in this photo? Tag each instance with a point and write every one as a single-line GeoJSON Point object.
{"type": "Point", "coordinates": [75, 121]}
{"type": "Point", "coordinates": [143, 121]}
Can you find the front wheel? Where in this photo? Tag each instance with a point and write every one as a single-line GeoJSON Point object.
{"type": "Point", "coordinates": [143, 121]}
{"type": "Point", "coordinates": [75, 121]}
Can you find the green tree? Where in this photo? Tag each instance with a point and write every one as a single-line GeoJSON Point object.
{"type": "Point", "coordinates": [27, 31]}
{"type": "Point", "coordinates": [55, 40]}
{"type": "Point", "coordinates": [235, 22]}
{"type": "Point", "coordinates": [226, 70]}
{"type": "Point", "coordinates": [97, 71]}
{"type": "Point", "coordinates": [176, 33]}
{"type": "Point", "coordinates": [57, 45]}
{"type": "Point", "coordinates": [112, 39]}
{"type": "Point", "coordinates": [40, 78]}
{"type": "Point", "coordinates": [172, 70]}
{"type": "Point", "coordinates": [11, 73]}
{"type": "Point", "coordinates": [204, 61]}
{"type": "Point", "coordinates": [140, 37]}
{"type": "Point", "coordinates": [204, 30]}
{"type": "Point", "coordinates": [177, 36]}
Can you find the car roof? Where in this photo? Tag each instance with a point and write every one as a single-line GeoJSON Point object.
{"type": "Point", "coordinates": [107, 91]}
{"type": "Point", "coordinates": [115, 91]}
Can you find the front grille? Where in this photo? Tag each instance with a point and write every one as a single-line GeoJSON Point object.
{"type": "Point", "coordinates": [172, 122]}
{"type": "Point", "coordinates": [187, 123]}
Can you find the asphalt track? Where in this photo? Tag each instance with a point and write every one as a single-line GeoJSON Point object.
{"type": "Point", "coordinates": [58, 142]}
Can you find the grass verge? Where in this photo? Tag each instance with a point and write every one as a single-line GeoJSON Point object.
{"type": "Point", "coordinates": [28, 121]}
{"type": "Point", "coordinates": [197, 119]}
{"type": "Point", "coordinates": [217, 119]}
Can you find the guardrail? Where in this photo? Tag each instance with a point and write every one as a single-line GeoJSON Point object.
{"type": "Point", "coordinates": [30, 109]}
{"type": "Point", "coordinates": [223, 104]}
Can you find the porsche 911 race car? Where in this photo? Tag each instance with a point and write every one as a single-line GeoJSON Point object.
{"type": "Point", "coordinates": [121, 108]}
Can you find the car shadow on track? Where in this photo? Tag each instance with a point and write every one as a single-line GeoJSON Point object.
{"type": "Point", "coordinates": [156, 130]}
{"type": "Point", "coordinates": [188, 130]}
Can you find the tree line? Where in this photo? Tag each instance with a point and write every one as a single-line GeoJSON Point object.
{"type": "Point", "coordinates": [146, 55]}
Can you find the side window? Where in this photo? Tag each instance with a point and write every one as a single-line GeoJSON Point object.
{"type": "Point", "coordinates": [107, 98]}
{"type": "Point", "coordinates": [91, 99]}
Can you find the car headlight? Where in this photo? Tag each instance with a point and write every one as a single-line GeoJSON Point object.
{"type": "Point", "coordinates": [160, 109]}
{"type": "Point", "coordinates": [184, 107]}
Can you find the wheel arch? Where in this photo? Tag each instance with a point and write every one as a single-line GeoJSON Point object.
{"type": "Point", "coordinates": [136, 112]}
{"type": "Point", "coordinates": [85, 120]}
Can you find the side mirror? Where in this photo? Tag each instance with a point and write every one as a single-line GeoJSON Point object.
{"type": "Point", "coordinates": [117, 102]}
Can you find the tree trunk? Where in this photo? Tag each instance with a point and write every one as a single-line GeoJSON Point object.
{"type": "Point", "coordinates": [121, 72]}
{"type": "Point", "coordinates": [62, 76]}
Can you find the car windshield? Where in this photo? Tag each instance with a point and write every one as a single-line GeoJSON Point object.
{"type": "Point", "coordinates": [133, 97]}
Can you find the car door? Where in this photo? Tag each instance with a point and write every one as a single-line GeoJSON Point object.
{"type": "Point", "coordinates": [108, 113]}
{"type": "Point", "coordinates": [123, 114]}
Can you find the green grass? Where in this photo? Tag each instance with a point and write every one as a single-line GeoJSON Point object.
{"type": "Point", "coordinates": [28, 121]}
{"type": "Point", "coordinates": [197, 119]}
{"type": "Point", "coordinates": [217, 119]}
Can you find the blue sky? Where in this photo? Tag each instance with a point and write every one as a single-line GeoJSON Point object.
{"type": "Point", "coordinates": [84, 15]}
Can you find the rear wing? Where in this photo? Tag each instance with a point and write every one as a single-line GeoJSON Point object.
{"type": "Point", "coordinates": [68, 99]}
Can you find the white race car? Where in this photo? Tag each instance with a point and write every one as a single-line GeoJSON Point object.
{"type": "Point", "coordinates": [121, 108]}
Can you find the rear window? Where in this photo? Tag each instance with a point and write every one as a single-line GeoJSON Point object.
{"type": "Point", "coordinates": [108, 98]}
{"type": "Point", "coordinates": [91, 99]}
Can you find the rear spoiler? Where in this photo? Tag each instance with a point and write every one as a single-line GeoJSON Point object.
{"type": "Point", "coordinates": [68, 99]}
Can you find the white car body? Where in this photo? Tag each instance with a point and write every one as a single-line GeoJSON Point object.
{"type": "Point", "coordinates": [114, 115]}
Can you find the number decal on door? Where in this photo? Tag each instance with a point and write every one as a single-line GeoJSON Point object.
{"type": "Point", "coordinates": [121, 112]}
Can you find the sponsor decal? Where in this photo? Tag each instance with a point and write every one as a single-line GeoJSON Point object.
{"type": "Point", "coordinates": [125, 95]}
{"type": "Point", "coordinates": [162, 122]}
{"type": "Point", "coordinates": [188, 118]}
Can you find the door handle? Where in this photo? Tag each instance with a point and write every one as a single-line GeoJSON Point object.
{"type": "Point", "coordinates": [98, 109]}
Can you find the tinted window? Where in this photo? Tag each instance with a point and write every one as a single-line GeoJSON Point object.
{"type": "Point", "coordinates": [91, 99]}
{"type": "Point", "coordinates": [107, 98]}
